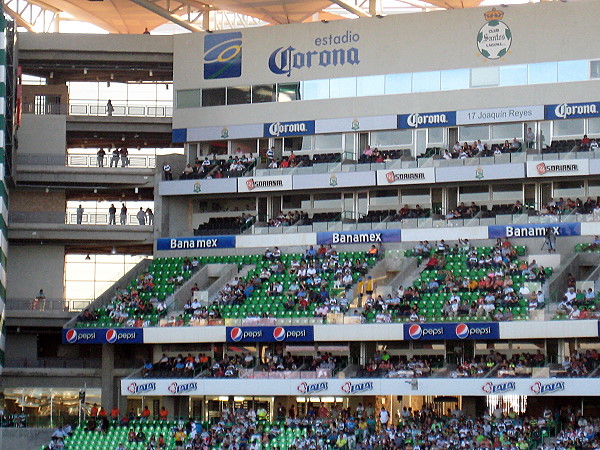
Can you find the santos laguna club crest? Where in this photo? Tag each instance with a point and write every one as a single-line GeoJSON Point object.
{"type": "Point", "coordinates": [494, 38]}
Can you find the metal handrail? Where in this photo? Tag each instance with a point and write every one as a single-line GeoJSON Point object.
{"type": "Point", "coordinates": [90, 108]}
{"type": "Point", "coordinates": [46, 304]}
{"type": "Point", "coordinates": [85, 160]}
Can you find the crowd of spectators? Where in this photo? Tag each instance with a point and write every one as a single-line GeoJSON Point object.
{"type": "Point", "coordinates": [128, 308]}
{"type": "Point", "coordinates": [312, 277]}
{"type": "Point", "coordinates": [580, 364]}
{"type": "Point", "coordinates": [504, 366]}
{"type": "Point", "coordinates": [361, 428]}
{"type": "Point", "coordinates": [288, 219]}
{"type": "Point", "coordinates": [175, 366]}
{"type": "Point", "coordinates": [483, 287]}
{"type": "Point", "coordinates": [366, 429]}
{"type": "Point", "coordinates": [234, 166]}
{"type": "Point", "coordinates": [478, 149]}
{"type": "Point", "coordinates": [383, 365]}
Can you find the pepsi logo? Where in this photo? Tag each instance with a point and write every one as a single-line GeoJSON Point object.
{"type": "Point", "coordinates": [279, 334]}
{"type": "Point", "coordinates": [71, 336]}
{"type": "Point", "coordinates": [236, 334]}
{"type": "Point", "coordinates": [111, 336]}
{"type": "Point", "coordinates": [415, 331]}
{"type": "Point", "coordinates": [462, 331]}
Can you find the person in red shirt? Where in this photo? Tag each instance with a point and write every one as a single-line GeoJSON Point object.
{"type": "Point", "coordinates": [146, 413]}
{"type": "Point", "coordinates": [163, 414]}
{"type": "Point", "coordinates": [115, 413]}
{"type": "Point", "coordinates": [102, 412]}
{"type": "Point", "coordinates": [94, 411]}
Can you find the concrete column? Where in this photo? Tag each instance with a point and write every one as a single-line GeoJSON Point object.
{"type": "Point", "coordinates": [107, 395]}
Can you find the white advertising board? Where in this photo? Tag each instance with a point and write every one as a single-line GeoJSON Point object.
{"type": "Point", "coordinates": [558, 168]}
{"type": "Point", "coordinates": [265, 184]}
{"type": "Point", "coordinates": [543, 387]}
{"type": "Point", "coordinates": [423, 175]}
{"type": "Point", "coordinates": [500, 115]}
{"type": "Point", "coordinates": [480, 173]}
{"type": "Point", "coordinates": [195, 187]}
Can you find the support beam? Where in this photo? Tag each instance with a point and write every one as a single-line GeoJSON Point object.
{"type": "Point", "coordinates": [351, 8]}
{"type": "Point", "coordinates": [167, 15]}
{"type": "Point", "coordinates": [18, 19]}
{"type": "Point", "coordinates": [374, 7]}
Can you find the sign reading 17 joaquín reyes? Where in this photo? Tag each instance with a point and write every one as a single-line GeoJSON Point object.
{"type": "Point", "coordinates": [494, 37]}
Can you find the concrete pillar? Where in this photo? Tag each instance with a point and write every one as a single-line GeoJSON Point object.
{"type": "Point", "coordinates": [107, 395]}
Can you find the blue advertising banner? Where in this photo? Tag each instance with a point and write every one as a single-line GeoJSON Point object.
{"type": "Point", "coordinates": [533, 230]}
{"type": "Point", "coordinates": [271, 334]}
{"type": "Point", "coordinates": [358, 237]}
{"type": "Point", "coordinates": [449, 331]}
{"type": "Point", "coordinates": [103, 336]}
{"type": "Point", "coordinates": [179, 135]}
{"type": "Point", "coordinates": [572, 110]}
{"type": "Point", "coordinates": [222, 55]}
{"type": "Point", "coordinates": [427, 120]}
{"type": "Point", "coordinates": [289, 128]}
{"type": "Point", "coordinates": [197, 242]}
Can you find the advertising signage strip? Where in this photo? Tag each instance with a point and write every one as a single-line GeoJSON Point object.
{"type": "Point", "coordinates": [451, 331]}
{"type": "Point", "coordinates": [195, 243]}
{"type": "Point", "coordinates": [281, 129]}
{"type": "Point", "coordinates": [427, 120]}
{"type": "Point", "coordinates": [340, 387]}
{"type": "Point", "coordinates": [499, 115]}
{"type": "Point", "coordinates": [103, 336]}
{"type": "Point", "coordinates": [358, 237]}
{"type": "Point", "coordinates": [424, 175]}
{"type": "Point", "coordinates": [533, 230]}
{"type": "Point", "coordinates": [270, 334]}
{"type": "Point", "coordinates": [572, 111]}
{"type": "Point", "coordinates": [265, 184]}
{"type": "Point", "coordinates": [557, 168]}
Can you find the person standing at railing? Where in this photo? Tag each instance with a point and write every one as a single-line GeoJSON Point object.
{"type": "Point", "coordinates": [101, 154]}
{"type": "Point", "coordinates": [39, 300]}
{"type": "Point", "coordinates": [123, 217]}
{"type": "Point", "coordinates": [115, 158]}
{"type": "Point", "coordinates": [141, 216]}
{"type": "Point", "coordinates": [124, 157]}
{"type": "Point", "coordinates": [150, 216]}
{"type": "Point", "coordinates": [79, 215]}
{"type": "Point", "coordinates": [109, 108]}
{"type": "Point", "coordinates": [112, 214]}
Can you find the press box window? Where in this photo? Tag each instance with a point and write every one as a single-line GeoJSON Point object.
{"type": "Point", "coordinates": [238, 95]}
{"type": "Point", "coordinates": [263, 93]}
{"type": "Point", "coordinates": [288, 92]}
{"type": "Point", "coordinates": [189, 98]}
{"type": "Point", "coordinates": [213, 97]}
{"type": "Point", "coordinates": [594, 69]}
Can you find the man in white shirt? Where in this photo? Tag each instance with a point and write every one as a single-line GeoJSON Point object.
{"type": "Point", "coordinates": [524, 291]}
{"type": "Point", "coordinates": [384, 417]}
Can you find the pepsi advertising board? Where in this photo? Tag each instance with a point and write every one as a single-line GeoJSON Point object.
{"type": "Point", "coordinates": [271, 334]}
{"type": "Point", "coordinates": [451, 331]}
{"type": "Point", "coordinates": [103, 336]}
{"type": "Point", "coordinates": [194, 243]}
{"type": "Point", "coordinates": [533, 230]}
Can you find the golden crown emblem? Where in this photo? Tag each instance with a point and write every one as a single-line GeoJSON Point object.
{"type": "Point", "coordinates": [494, 14]}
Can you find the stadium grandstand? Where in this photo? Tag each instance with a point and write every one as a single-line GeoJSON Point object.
{"type": "Point", "coordinates": [353, 224]}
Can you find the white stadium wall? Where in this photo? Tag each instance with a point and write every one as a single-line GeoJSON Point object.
{"type": "Point", "coordinates": [387, 46]}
